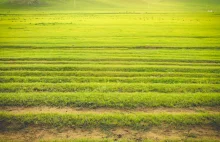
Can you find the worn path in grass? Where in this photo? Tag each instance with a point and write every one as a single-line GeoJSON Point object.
{"type": "Point", "coordinates": [68, 110]}
{"type": "Point", "coordinates": [34, 133]}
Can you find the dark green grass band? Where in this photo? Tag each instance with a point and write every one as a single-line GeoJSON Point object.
{"type": "Point", "coordinates": [42, 60]}
{"type": "Point", "coordinates": [109, 120]}
{"type": "Point", "coordinates": [110, 68]}
{"type": "Point", "coordinates": [106, 63]}
{"type": "Point", "coordinates": [108, 87]}
{"type": "Point", "coordinates": [110, 100]}
{"type": "Point", "coordinates": [109, 74]}
{"type": "Point", "coordinates": [90, 79]}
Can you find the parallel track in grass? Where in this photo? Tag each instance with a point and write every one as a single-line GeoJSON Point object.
{"type": "Point", "coordinates": [119, 70]}
{"type": "Point", "coordinates": [111, 100]}
{"type": "Point", "coordinates": [108, 74]}
{"type": "Point", "coordinates": [110, 70]}
{"type": "Point", "coordinates": [135, 120]}
{"type": "Point", "coordinates": [110, 88]}
{"type": "Point", "coordinates": [92, 79]}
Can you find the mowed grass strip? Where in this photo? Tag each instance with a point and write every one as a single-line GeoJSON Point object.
{"type": "Point", "coordinates": [111, 100]}
{"type": "Point", "coordinates": [124, 68]}
{"type": "Point", "coordinates": [90, 79]}
{"type": "Point", "coordinates": [126, 60]}
{"type": "Point", "coordinates": [109, 87]}
{"type": "Point", "coordinates": [108, 74]}
{"type": "Point", "coordinates": [144, 54]}
{"type": "Point", "coordinates": [108, 120]}
{"type": "Point", "coordinates": [109, 63]}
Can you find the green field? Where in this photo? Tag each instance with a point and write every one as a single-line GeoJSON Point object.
{"type": "Point", "coordinates": [98, 23]}
{"type": "Point", "coordinates": [119, 70]}
{"type": "Point", "coordinates": [110, 30]}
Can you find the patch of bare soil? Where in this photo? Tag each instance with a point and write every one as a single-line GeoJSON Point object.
{"type": "Point", "coordinates": [43, 109]}
{"type": "Point", "coordinates": [157, 134]}
{"type": "Point", "coordinates": [40, 133]}
{"type": "Point", "coordinates": [34, 134]}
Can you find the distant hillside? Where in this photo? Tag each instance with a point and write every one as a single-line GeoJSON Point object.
{"type": "Point", "coordinates": [117, 5]}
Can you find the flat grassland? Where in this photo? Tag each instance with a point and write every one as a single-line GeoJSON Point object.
{"type": "Point", "coordinates": [101, 73]}
{"type": "Point", "coordinates": [110, 29]}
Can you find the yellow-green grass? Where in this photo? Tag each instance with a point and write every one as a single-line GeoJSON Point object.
{"type": "Point", "coordinates": [124, 68]}
{"type": "Point", "coordinates": [182, 55]}
{"type": "Point", "coordinates": [110, 100]}
{"type": "Point", "coordinates": [90, 79]}
{"type": "Point", "coordinates": [109, 120]}
{"type": "Point", "coordinates": [120, 55]}
{"type": "Point", "coordinates": [109, 87]}
{"type": "Point", "coordinates": [114, 72]}
{"type": "Point", "coordinates": [110, 30]}
{"type": "Point", "coordinates": [108, 63]}
{"type": "Point", "coordinates": [108, 74]}
{"type": "Point", "coordinates": [86, 23]}
{"type": "Point", "coordinates": [106, 6]}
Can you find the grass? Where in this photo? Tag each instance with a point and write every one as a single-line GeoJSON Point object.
{"type": "Point", "coordinates": [136, 121]}
{"type": "Point", "coordinates": [108, 74]}
{"type": "Point", "coordinates": [132, 6]}
{"type": "Point", "coordinates": [122, 78]}
{"type": "Point", "coordinates": [147, 54]}
{"type": "Point", "coordinates": [131, 68]}
{"type": "Point", "coordinates": [108, 87]}
{"type": "Point", "coordinates": [121, 30]}
{"type": "Point", "coordinates": [120, 54]}
{"type": "Point", "coordinates": [91, 79]}
{"type": "Point", "coordinates": [111, 100]}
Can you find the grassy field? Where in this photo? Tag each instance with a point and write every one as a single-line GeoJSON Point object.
{"type": "Point", "coordinates": [98, 23]}
{"type": "Point", "coordinates": [110, 30]}
{"type": "Point", "coordinates": [119, 70]}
